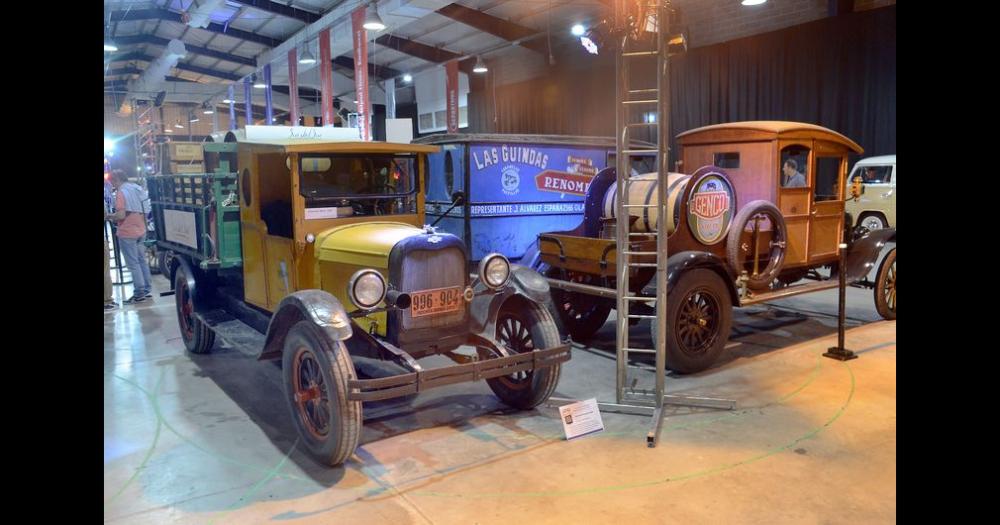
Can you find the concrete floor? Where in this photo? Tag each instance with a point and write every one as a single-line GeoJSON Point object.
{"type": "Point", "coordinates": [208, 439]}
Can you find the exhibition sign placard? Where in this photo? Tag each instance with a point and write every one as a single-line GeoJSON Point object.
{"type": "Point", "coordinates": [581, 418]}
{"type": "Point", "coordinates": [264, 133]}
{"type": "Point", "coordinates": [180, 227]}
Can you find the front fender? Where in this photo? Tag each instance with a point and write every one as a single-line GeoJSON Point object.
{"type": "Point", "coordinates": [863, 252]}
{"type": "Point", "coordinates": [316, 306]}
{"type": "Point", "coordinates": [679, 263]}
{"type": "Point", "coordinates": [486, 303]}
{"type": "Point", "coordinates": [194, 276]}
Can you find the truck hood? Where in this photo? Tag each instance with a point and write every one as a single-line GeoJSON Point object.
{"type": "Point", "coordinates": [364, 244]}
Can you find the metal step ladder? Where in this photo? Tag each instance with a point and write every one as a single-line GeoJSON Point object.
{"type": "Point", "coordinates": [649, 18]}
{"type": "Point", "coordinates": [145, 139]}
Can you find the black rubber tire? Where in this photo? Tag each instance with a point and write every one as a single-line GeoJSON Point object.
{"type": "Point", "coordinates": [163, 261]}
{"type": "Point", "coordinates": [875, 221]}
{"type": "Point", "coordinates": [885, 287]}
{"type": "Point", "coordinates": [734, 251]}
{"type": "Point", "coordinates": [526, 390]}
{"type": "Point", "coordinates": [581, 315]}
{"type": "Point", "coordinates": [198, 338]}
{"type": "Point", "coordinates": [308, 351]}
{"type": "Point", "coordinates": [680, 358]}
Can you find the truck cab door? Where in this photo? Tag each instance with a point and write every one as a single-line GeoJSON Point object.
{"type": "Point", "coordinates": [794, 199]}
{"type": "Point", "coordinates": [826, 223]}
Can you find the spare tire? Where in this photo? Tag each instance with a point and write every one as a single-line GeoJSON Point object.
{"type": "Point", "coordinates": [738, 251]}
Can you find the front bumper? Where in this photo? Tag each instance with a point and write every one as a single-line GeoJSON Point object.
{"type": "Point", "coordinates": [420, 380]}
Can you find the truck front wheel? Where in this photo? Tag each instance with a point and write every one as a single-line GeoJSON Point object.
{"type": "Point", "coordinates": [885, 287]}
{"type": "Point", "coordinates": [699, 314]}
{"type": "Point", "coordinates": [523, 327]}
{"type": "Point", "coordinates": [316, 371]}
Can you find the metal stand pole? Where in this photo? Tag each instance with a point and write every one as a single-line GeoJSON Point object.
{"type": "Point", "coordinates": [118, 259]}
{"type": "Point", "coordinates": [839, 352]}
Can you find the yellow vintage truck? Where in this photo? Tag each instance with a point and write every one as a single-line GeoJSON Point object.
{"type": "Point", "coordinates": [315, 253]}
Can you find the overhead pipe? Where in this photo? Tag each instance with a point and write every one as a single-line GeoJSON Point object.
{"type": "Point", "coordinates": [153, 77]}
{"type": "Point", "coordinates": [199, 13]}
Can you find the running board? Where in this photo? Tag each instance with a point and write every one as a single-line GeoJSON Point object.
{"type": "Point", "coordinates": [234, 332]}
{"type": "Point", "coordinates": [764, 297]}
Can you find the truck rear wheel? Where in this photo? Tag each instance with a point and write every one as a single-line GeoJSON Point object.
{"type": "Point", "coordinates": [582, 315]}
{"type": "Point", "coordinates": [316, 371]}
{"type": "Point", "coordinates": [885, 287]}
{"type": "Point", "coordinates": [523, 327]}
{"type": "Point", "coordinates": [700, 315]}
{"type": "Point", "coordinates": [198, 338]}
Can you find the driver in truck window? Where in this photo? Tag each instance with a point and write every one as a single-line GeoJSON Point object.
{"type": "Point", "coordinates": [792, 178]}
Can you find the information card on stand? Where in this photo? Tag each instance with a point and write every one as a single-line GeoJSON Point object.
{"type": "Point", "coordinates": [582, 417]}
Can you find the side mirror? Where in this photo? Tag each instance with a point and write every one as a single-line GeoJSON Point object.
{"type": "Point", "coordinates": [457, 197]}
{"type": "Point", "coordinates": [857, 189]}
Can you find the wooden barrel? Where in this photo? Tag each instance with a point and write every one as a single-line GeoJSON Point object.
{"type": "Point", "coordinates": [643, 190]}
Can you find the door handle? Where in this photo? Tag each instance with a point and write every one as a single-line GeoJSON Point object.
{"type": "Point", "coordinates": [887, 194]}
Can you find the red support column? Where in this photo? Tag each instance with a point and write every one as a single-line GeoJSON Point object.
{"type": "Point", "coordinates": [360, 37]}
{"type": "Point", "coordinates": [326, 74]}
{"type": "Point", "coordinates": [293, 87]}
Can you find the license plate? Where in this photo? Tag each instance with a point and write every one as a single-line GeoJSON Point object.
{"type": "Point", "coordinates": [437, 301]}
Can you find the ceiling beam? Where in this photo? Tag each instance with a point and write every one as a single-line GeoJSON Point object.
{"type": "Point", "coordinates": [380, 72]}
{"type": "Point", "coordinates": [282, 9]}
{"type": "Point", "coordinates": [498, 27]}
{"type": "Point", "coordinates": [416, 49]}
{"type": "Point", "coordinates": [198, 50]}
{"type": "Point", "coordinates": [424, 51]}
{"type": "Point", "coordinates": [171, 16]}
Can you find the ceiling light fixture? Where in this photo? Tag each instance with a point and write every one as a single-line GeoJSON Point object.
{"type": "Point", "coordinates": [595, 38]}
{"type": "Point", "coordinates": [259, 84]}
{"type": "Point", "coordinates": [178, 125]}
{"type": "Point", "coordinates": [110, 46]}
{"type": "Point", "coordinates": [480, 66]}
{"type": "Point", "coordinates": [307, 56]}
{"type": "Point", "coordinates": [753, 2]}
{"type": "Point", "coordinates": [407, 78]}
{"type": "Point", "coordinates": [578, 30]}
{"type": "Point", "coordinates": [373, 22]}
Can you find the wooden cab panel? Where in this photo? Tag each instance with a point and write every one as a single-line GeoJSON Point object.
{"type": "Point", "coordinates": [752, 180]}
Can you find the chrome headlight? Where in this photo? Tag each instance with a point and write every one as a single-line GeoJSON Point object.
{"type": "Point", "coordinates": [494, 270]}
{"type": "Point", "coordinates": [366, 289]}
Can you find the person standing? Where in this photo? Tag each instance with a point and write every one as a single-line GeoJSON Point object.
{"type": "Point", "coordinates": [131, 222]}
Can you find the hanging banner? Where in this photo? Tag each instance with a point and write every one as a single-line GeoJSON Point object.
{"type": "Point", "coordinates": [268, 107]}
{"type": "Point", "coordinates": [247, 92]}
{"type": "Point", "coordinates": [232, 108]}
{"type": "Point", "coordinates": [451, 87]}
{"type": "Point", "coordinates": [390, 98]}
{"type": "Point", "coordinates": [293, 87]}
{"type": "Point", "coordinates": [326, 76]}
{"type": "Point", "coordinates": [360, 37]}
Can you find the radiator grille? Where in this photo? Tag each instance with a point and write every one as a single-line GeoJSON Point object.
{"type": "Point", "coordinates": [430, 269]}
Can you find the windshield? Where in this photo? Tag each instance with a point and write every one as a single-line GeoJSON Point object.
{"type": "Point", "coordinates": [356, 176]}
{"type": "Point", "coordinates": [873, 174]}
{"type": "Point", "coordinates": [361, 184]}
